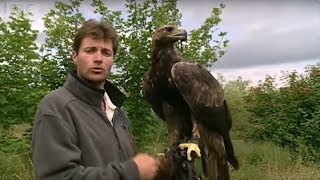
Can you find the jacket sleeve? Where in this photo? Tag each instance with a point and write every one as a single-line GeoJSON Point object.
{"type": "Point", "coordinates": [56, 155]}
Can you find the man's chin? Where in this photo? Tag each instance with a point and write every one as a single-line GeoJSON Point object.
{"type": "Point", "coordinates": [97, 77]}
{"type": "Point", "coordinates": [96, 81]}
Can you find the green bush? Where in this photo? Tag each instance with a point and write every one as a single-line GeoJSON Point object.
{"type": "Point", "coordinates": [235, 92]}
{"type": "Point", "coordinates": [288, 115]}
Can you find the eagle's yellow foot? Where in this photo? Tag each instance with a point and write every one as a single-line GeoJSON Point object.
{"type": "Point", "coordinates": [191, 147]}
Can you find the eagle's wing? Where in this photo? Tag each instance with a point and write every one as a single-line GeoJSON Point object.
{"type": "Point", "coordinates": [197, 85]}
{"type": "Point", "coordinates": [150, 93]}
{"type": "Point", "coordinates": [201, 90]}
{"type": "Point", "coordinates": [205, 98]}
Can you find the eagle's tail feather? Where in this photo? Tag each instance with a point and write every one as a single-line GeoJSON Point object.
{"type": "Point", "coordinates": [218, 170]}
{"type": "Point", "coordinates": [216, 160]}
{"type": "Point", "coordinates": [230, 152]}
{"type": "Point", "coordinates": [204, 160]}
{"type": "Point", "coordinates": [234, 162]}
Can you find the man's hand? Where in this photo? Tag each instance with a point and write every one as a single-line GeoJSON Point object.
{"type": "Point", "coordinates": [147, 165]}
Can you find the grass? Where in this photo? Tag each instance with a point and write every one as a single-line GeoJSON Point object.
{"type": "Point", "coordinates": [266, 161]}
{"type": "Point", "coordinates": [15, 163]}
{"type": "Point", "coordinates": [15, 166]}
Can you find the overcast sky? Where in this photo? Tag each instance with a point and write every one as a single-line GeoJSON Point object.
{"type": "Point", "coordinates": [271, 32]}
{"type": "Point", "coordinates": [266, 36]}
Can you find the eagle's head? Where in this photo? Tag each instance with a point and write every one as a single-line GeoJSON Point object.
{"type": "Point", "coordinates": [168, 35]}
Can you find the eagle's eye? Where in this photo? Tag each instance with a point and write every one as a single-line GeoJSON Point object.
{"type": "Point", "coordinates": [169, 29]}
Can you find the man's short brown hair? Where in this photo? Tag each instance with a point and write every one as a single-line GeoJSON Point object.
{"type": "Point", "coordinates": [97, 30]}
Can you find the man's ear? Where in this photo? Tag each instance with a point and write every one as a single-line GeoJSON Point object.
{"type": "Point", "coordinates": [74, 57]}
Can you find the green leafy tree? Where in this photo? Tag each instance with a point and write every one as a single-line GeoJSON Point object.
{"type": "Point", "coordinates": [207, 43]}
{"type": "Point", "coordinates": [19, 80]}
{"type": "Point", "coordinates": [60, 24]}
{"type": "Point", "coordinates": [19, 69]}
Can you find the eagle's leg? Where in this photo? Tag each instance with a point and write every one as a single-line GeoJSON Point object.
{"type": "Point", "coordinates": [174, 126]}
{"type": "Point", "coordinates": [192, 146]}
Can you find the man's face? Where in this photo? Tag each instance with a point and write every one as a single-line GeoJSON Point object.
{"type": "Point", "coordinates": [94, 60]}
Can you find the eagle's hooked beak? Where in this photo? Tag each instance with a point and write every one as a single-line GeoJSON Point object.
{"type": "Point", "coordinates": [184, 35]}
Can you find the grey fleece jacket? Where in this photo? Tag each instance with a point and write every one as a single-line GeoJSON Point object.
{"type": "Point", "coordinates": [73, 139]}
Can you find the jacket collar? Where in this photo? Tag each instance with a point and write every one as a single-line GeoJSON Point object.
{"type": "Point", "coordinates": [92, 95]}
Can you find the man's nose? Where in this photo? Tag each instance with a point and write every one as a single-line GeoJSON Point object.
{"type": "Point", "coordinates": [98, 56]}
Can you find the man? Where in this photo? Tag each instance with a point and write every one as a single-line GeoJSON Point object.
{"type": "Point", "coordinates": [80, 131]}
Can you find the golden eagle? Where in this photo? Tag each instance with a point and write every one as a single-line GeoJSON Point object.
{"type": "Point", "coordinates": [191, 101]}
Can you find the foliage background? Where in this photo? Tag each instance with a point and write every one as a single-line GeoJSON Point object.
{"type": "Point", "coordinates": [266, 118]}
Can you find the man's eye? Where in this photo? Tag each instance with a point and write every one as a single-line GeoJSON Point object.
{"type": "Point", "coordinates": [107, 53]}
{"type": "Point", "coordinates": [89, 50]}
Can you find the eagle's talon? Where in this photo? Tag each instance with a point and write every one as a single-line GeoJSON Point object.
{"type": "Point", "coordinates": [163, 154]}
{"type": "Point", "coordinates": [159, 155]}
{"type": "Point", "coordinates": [190, 147]}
